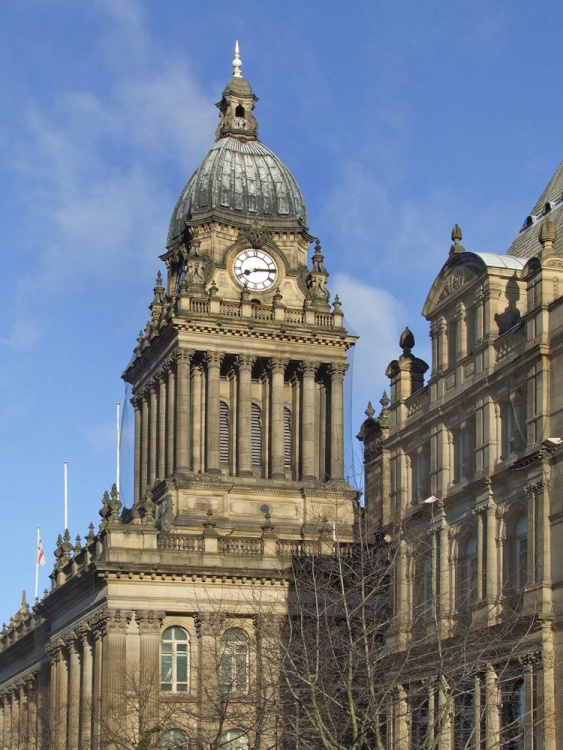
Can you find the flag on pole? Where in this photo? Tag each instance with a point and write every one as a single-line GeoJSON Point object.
{"type": "Point", "coordinates": [40, 554]}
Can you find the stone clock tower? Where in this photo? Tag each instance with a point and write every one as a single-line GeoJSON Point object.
{"type": "Point", "coordinates": [169, 615]}
{"type": "Point", "coordinates": [238, 376]}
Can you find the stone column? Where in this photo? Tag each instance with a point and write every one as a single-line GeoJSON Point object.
{"type": "Point", "coordinates": [183, 421]}
{"type": "Point", "coordinates": [97, 651]}
{"type": "Point", "coordinates": [7, 720]}
{"type": "Point", "coordinates": [337, 421]}
{"type": "Point", "coordinates": [149, 632]}
{"type": "Point", "coordinates": [481, 554]}
{"type": "Point", "coordinates": [31, 691]}
{"type": "Point", "coordinates": [198, 412]}
{"type": "Point", "coordinates": [114, 666]}
{"type": "Point", "coordinates": [401, 730]}
{"type": "Point", "coordinates": [86, 691]}
{"type": "Point", "coordinates": [277, 463]}
{"type": "Point", "coordinates": [15, 718]}
{"type": "Point", "coordinates": [137, 470]}
{"type": "Point", "coordinates": [73, 693]}
{"type": "Point", "coordinates": [244, 431]}
{"type": "Point", "coordinates": [435, 351]}
{"type": "Point", "coordinates": [153, 433]}
{"type": "Point", "coordinates": [144, 442]}
{"type": "Point", "coordinates": [445, 601]}
{"type": "Point", "coordinates": [491, 554]}
{"type": "Point", "coordinates": [461, 330]}
{"type": "Point", "coordinates": [546, 688]}
{"type": "Point", "coordinates": [308, 421]}
{"type": "Point", "coordinates": [492, 740]}
{"type": "Point", "coordinates": [60, 715]}
{"type": "Point", "coordinates": [170, 419]}
{"type": "Point", "coordinates": [161, 464]}
{"type": "Point", "coordinates": [213, 360]}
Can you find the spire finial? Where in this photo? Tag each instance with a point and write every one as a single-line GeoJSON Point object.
{"type": "Point", "coordinates": [237, 64]}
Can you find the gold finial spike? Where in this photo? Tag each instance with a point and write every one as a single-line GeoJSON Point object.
{"type": "Point", "coordinates": [237, 64]}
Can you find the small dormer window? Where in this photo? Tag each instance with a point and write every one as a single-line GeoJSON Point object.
{"type": "Point", "coordinates": [240, 119]}
{"type": "Point", "coordinates": [529, 221]}
{"type": "Point", "coordinates": [547, 207]}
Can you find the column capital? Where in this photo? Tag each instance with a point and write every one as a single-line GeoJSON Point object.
{"type": "Point", "coordinates": [184, 355]}
{"type": "Point", "coordinates": [213, 359]}
{"type": "Point", "coordinates": [278, 364]}
{"type": "Point", "coordinates": [309, 368]}
{"type": "Point", "coordinates": [245, 361]}
{"type": "Point", "coordinates": [149, 621]}
{"type": "Point", "coordinates": [337, 370]}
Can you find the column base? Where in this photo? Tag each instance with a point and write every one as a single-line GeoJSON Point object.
{"type": "Point", "coordinates": [245, 473]}
{"type": "Point", "coordinates": [278, 475]}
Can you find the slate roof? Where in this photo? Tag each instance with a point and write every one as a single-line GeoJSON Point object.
{"type": "Point", "coordinates": [549, 204]}
{"type": "Point", "coordinates": [240, 179]}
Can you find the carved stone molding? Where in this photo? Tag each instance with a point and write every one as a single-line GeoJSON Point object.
{"type": "Point", "coordinates": [149, 621]}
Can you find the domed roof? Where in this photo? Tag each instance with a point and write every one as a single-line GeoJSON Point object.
{"type": "Point", "coordinates": [240, 179]}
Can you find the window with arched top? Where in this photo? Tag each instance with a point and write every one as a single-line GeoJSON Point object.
{"type": "Point", "coordinates": [287, 441]}
{"type": "Point", "coordinates": [467, 568]}
{"type": "Point", "coordinates": [234, 739]}
{"type": "Point", "coordinates": [174, 739]}
{"type": "Point", "coordinates": [175, 660]}
{"type": "Point", "coordinates": [256, 435]}
{"type": "Point", "coordinates": [224, 434]}
{"type": "Point", "coordinates": [516, 552]}
{"type": "Point", "coordinates": [234, 661]}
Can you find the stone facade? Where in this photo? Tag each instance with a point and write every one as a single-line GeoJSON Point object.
{"type": "Point", "coordinates": [464, 472]}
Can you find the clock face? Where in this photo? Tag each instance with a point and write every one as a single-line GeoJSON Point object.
{"type": "Point", "coordinates": [255, 269]}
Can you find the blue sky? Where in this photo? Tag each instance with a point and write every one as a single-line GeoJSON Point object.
{"type": "Point", "coordinates": [398, 119]}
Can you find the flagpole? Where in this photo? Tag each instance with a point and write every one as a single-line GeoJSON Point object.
{"type": "Point", "coordinates": [66, 493]}
{"type": "Point", "coordinates": [117, 441]}
{"type": "Point", "coordinates": [37, 566]}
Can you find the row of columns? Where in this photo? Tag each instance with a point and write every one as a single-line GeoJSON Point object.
{"type": "Point", "coordinates": [477, 713]}
{"type": "Point", "coordinates": [466, 326]}
{"type": "Point", "coordinates": [20, 724]}
{"type": "Point", "coordinates": [494, 529]}
{"type": "Point", "coordinates": [177, 418]}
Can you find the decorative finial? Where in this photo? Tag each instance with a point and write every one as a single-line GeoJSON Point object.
{"type": "Point", "coordinates": [456, 238]}
{"type": "Point", "coordinates": [370, 411]}
{"type": "Point", "coordinates": [237, 64]}
{"type": "Point", "coordinates": [406, 342]}
{"type": "Point", "coordinates": [547, 235]}
{"type": "Point", "coordinates": [384, 401]}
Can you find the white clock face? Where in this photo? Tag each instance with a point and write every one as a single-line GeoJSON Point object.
{"type": "Point", "coordinates": [255, 269]}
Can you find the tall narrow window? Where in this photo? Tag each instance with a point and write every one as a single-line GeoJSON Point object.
{"type": "Point", "coordinates": [256, 437]}
{"type": "Point", "coordinates": [452, 342]}
{"type": "Point", "coordinates": [521, 553]}
{"type": "Point", "coordinates": [287, 442]}
{"type": "Point", "coordinates": [419, 725]}
{"type": "Point", "coordinates": [224, 434]}
{"type": "Point", "coordinates": [174, 660]}
{"type": "Point", "coordinates": [514, 718]}
{"type": "Point", "coordinates": [234, 661]}
{"type": "Point", "coordinates": [467, 572]}
{"type": "Point", "coordinates": [464, 728]}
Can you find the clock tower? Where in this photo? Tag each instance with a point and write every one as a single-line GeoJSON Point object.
{"type": "Point", "coordinates": [238, 375]}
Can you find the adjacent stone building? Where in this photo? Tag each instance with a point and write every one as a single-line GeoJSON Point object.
{"type": "Point", "coordinates": [465, 474]}
{"type": "Point", "coordinates": [157, 624]}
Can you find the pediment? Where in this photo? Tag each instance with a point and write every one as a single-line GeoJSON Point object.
{"type": "Point", "coordinates": [456, 274]}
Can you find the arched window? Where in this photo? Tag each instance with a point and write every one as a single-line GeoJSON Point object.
{"type": "Point", "coordinates": [174, 739]}
{"type": "Point", "coordinates": [467, 571]}
{"type": "Point", "coordinates": [234, 661]}
{"type": "Point", "coordinates": [224, 434]}
{"type": "Point", "coordinates": [287, 442]}
{"type": "Point", "coordinates": [174, 660]}
{"type": "Point", "coordinates": [234, 739]}
{"type": "Point", "coordinates": [256, 435]}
